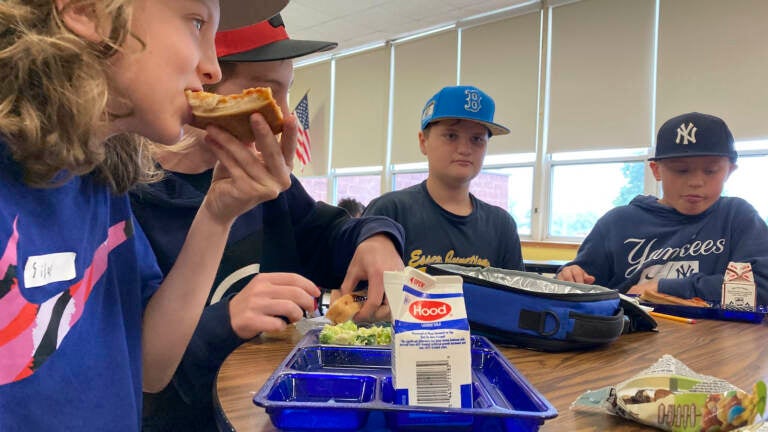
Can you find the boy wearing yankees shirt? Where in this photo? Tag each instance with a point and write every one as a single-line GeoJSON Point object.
{"type": "Point", "coordinates": [679, 244]}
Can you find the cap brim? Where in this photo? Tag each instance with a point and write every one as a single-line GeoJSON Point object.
{"type": "Point", "coordinates": [682, 155]}
{"type": "Point", "coordinates": [496, 129]}
{"type": "Point", "coordinates": [240, 13]}
{"type": "Point", "coordinates": [281, 50]}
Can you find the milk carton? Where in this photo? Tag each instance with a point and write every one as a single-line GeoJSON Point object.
{"type": "Point", "coordinates": [431, 348]}
{"type": "Point", "coordinates": [739, 290]}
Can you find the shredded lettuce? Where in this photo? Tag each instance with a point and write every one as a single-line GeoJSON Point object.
{"type": "Point", "coordinates": [348, 333]}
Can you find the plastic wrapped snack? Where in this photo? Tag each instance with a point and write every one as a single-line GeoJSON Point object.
{"type": "Point", "coordinates": [672, 397]}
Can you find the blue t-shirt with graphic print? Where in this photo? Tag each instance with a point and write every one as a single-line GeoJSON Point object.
{"type": "Point", "coordinates": [75, 274]}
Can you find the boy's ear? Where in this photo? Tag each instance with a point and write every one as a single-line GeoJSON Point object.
{"type": "Point", "coordinates": [80, 19]}
{"type": "Point", "coordinates": [655, 169]}
{"type": "Point", "coordinates": [422, 140]}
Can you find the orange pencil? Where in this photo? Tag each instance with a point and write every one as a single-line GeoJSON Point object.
{"type": "Point", "coordinates": [673, 317]}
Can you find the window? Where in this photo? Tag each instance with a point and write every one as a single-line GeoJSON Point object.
{"type": "Point", "coordinates": [747, 181]}
{"type": "Point", "coordinates": [510, 189]}
{"type": "Point", "coordinates": [316, 187]}
{"type": "Point", "coordinates": [363, 188]}
{"type": "Point", "coordinates": [582, 193]}
{"type": "Point", "coordinates": [404, 180]}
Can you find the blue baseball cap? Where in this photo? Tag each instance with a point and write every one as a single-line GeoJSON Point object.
{"type": "Point", "coordinates": [694, 134]}
{"type": "Point", "coordinates": [462, 103]}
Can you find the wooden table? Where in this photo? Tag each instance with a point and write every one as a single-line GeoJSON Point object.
{"type": "Point", "coordinates": [736, 352]}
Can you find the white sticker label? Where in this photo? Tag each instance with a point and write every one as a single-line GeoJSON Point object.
{"type": "Point", "coordinates": [44, 269]}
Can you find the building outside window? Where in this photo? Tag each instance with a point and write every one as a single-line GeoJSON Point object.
{"type": "Point", "coordinates": [363, 188]}
{"type": "Point", "coordinates": [316, 187]}
{"type": "Point", "coordinates": [749, 180]}
{"type": "Point", "coordinates": [583, 188]}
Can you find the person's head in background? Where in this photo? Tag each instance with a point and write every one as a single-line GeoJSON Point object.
{"type": "Point", "coordinates": [261, 55]}
{"type": "Point", "coordinates": [258, 55]}
{"type": "Point", "coordinates": [354, 207]}
{"type": "Point", "coordinates": [694, 156]}
{"type": "Point", "coordinates": [456, 124]}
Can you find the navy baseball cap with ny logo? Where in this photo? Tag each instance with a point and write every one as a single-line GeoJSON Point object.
{"type": "Point", "coordinates": [462, 103]}
{"type": "Point", "coordinates": [694, 134]}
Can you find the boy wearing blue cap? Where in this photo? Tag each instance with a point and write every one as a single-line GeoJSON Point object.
{"type": "Point", "coordinates": [443, 221]}
{"type": "Point", "coordinates": [679, 244]}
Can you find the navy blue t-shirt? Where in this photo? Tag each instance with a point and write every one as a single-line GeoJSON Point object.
{"type": "Point", "coordinates": [486, 237]}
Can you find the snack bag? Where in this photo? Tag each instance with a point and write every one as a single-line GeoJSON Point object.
{"type": "Point", "coordinates": [671, 397]}
{"type": "Point", "coordinates": [431, 349]}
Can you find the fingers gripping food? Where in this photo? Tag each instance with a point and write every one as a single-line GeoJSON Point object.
{"type": "Point", "coordinates": [344, 308]}
{"type": "Point", "coordinates": [232, 112]}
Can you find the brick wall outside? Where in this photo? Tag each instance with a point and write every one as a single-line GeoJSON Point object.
{"type": "Point", "coordinates": [363, 188]}
{"type": "Point", "coordinates": [491, 188]}
{"type": "Point", "coordinates": [404, 180]}
{"type": "Point", "coordinates": [316, 187]}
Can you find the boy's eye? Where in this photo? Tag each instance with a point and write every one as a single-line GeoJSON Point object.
{"type": "Point", "coordinates": [198, 23]}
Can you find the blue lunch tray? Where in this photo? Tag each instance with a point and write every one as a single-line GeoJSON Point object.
{"type": "Point", "coordinates": [714, 312]}
{"type": "Point", "coordinates": [334, 387]}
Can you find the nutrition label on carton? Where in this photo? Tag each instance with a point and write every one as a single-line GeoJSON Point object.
{"type": "Point", "coordinates": [429, 340]}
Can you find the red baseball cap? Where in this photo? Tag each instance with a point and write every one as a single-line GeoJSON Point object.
{"type": "Point", "coordinates": [264, 41]}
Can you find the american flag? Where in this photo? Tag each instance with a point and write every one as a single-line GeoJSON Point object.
{"type": "Point", "coordinates": [303, 150]}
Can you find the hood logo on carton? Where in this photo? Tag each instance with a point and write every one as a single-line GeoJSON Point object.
{"type": "Point", "coordinates": [428, 310]}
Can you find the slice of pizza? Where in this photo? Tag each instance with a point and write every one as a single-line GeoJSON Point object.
{"type": "Point", "coordinates": [232, 112]}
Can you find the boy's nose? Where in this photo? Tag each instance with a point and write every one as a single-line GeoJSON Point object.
{"type": "Point", "coordinates": [465, 146]}
{"type": "Point", "coordinates": [697, 179]}
{"type": "Point", "coordinates": [208, 69]}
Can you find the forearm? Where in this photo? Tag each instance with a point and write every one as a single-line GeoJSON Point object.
{"type": "Point", "coordinates": [357, 230]}
{"type": "Point", "coordinates": [707, 287]}
{"type": "Point", "coordinates": [173, 312]}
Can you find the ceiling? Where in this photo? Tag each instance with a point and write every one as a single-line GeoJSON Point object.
{"type": "Point", "coordinates": [356, 23]}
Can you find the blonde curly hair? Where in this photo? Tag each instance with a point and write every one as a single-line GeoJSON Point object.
{"type": "Point", "coordinates": [53, 97]}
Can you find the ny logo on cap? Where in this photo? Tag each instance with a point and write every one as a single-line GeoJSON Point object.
{"type": "Point", "coordinates": [687, 133]}
{"type": "Point", "coordinates": [473, 101]}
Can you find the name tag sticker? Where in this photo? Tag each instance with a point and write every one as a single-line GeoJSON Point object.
{"type": "Point", "coordinates": [44, 269]}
